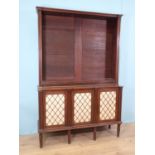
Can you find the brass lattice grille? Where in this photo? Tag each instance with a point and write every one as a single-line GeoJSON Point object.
{"type": "Point", "coordinates": [107, 105]}
{"type": "Point", "coordinates": [55, 109]}
{"type": "Point", "coordinates": [82, 107]}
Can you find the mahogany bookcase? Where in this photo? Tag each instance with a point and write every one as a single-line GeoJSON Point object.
{"type": "Point", "coordinates": [78, 71]}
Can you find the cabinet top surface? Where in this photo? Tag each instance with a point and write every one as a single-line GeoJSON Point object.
{"type": "Point", "coordinates": [82, 86]}
{"type": "Point", "coordinates": [46, 9]}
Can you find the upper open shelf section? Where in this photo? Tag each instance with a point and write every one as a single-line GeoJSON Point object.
{"type": "Point", "coordinates": [77, 47]}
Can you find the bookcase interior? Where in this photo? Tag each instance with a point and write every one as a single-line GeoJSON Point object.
{"type": "Point", "coordinates": [78, 48]}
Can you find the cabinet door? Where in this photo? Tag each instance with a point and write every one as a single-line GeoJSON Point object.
{"type": "Point", "coordinates": [108, 104]}
{"type": "Point", "coordinates": [55, 105]}
{"type": "Point", "coordinates": [82, 106]}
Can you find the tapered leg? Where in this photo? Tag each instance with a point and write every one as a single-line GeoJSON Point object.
{"type": "Point", "coordinates": [41, 140]}
{"type": "Point", "coordinates": [94, 133]}
{"type": "Point", "coordinates": [109, 126]}
{"type": "Point", "coordinates": [69, 136]}
{"type": "Point", "coordinates": [118, 129]}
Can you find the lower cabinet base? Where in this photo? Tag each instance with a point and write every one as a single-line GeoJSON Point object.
{"type": "Point", "coordinates": [69, 129]}
{"type": "Point", "coordinates": [71, 108]}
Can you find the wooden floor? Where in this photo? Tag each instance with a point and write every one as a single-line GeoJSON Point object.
{"type": "Point", "coordinates": [82, 144]}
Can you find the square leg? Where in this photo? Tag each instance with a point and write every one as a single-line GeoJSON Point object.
{"type": "Point", "coordinates": [41, 140]}
{"type": "Point", "coordinates": [94, 133]}
{"type": "Point", "coordinates": [69, 136]}
{"type": "Point", "coordinates": [118, 130]}
{"type": "Point", "coordinates": [109, 126]}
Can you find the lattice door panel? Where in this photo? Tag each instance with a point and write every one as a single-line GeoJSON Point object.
{"type": "Point", "coordinates": [107, 105]}
{"type": "Point", "coordinates": [82, 107]}
{"type": "Point", "coordinates": [55, 109]}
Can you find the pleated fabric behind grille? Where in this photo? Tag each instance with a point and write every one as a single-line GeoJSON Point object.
{"type": "Point", "coordinates": [107, 105]}
{"type": "Point", "coordinates": [55, 109]}
{"type": "Point", "coordinates": [82, 107]}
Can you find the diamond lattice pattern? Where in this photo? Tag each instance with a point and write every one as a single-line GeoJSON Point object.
{"type": "Point", "coordinates": [82, 107]}
{"type": "Point", "coordinates": [55, 109]}
{"type": "Point", "coordinates": [107, 105]}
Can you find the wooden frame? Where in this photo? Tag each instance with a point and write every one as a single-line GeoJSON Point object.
{"type": "Point", "coordinates": [79, 78]}
{"type": "Point", "coordinates": [42, 82]}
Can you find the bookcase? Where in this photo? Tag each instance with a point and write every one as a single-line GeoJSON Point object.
{"type": "Point", "coordinates": [78, 71]}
